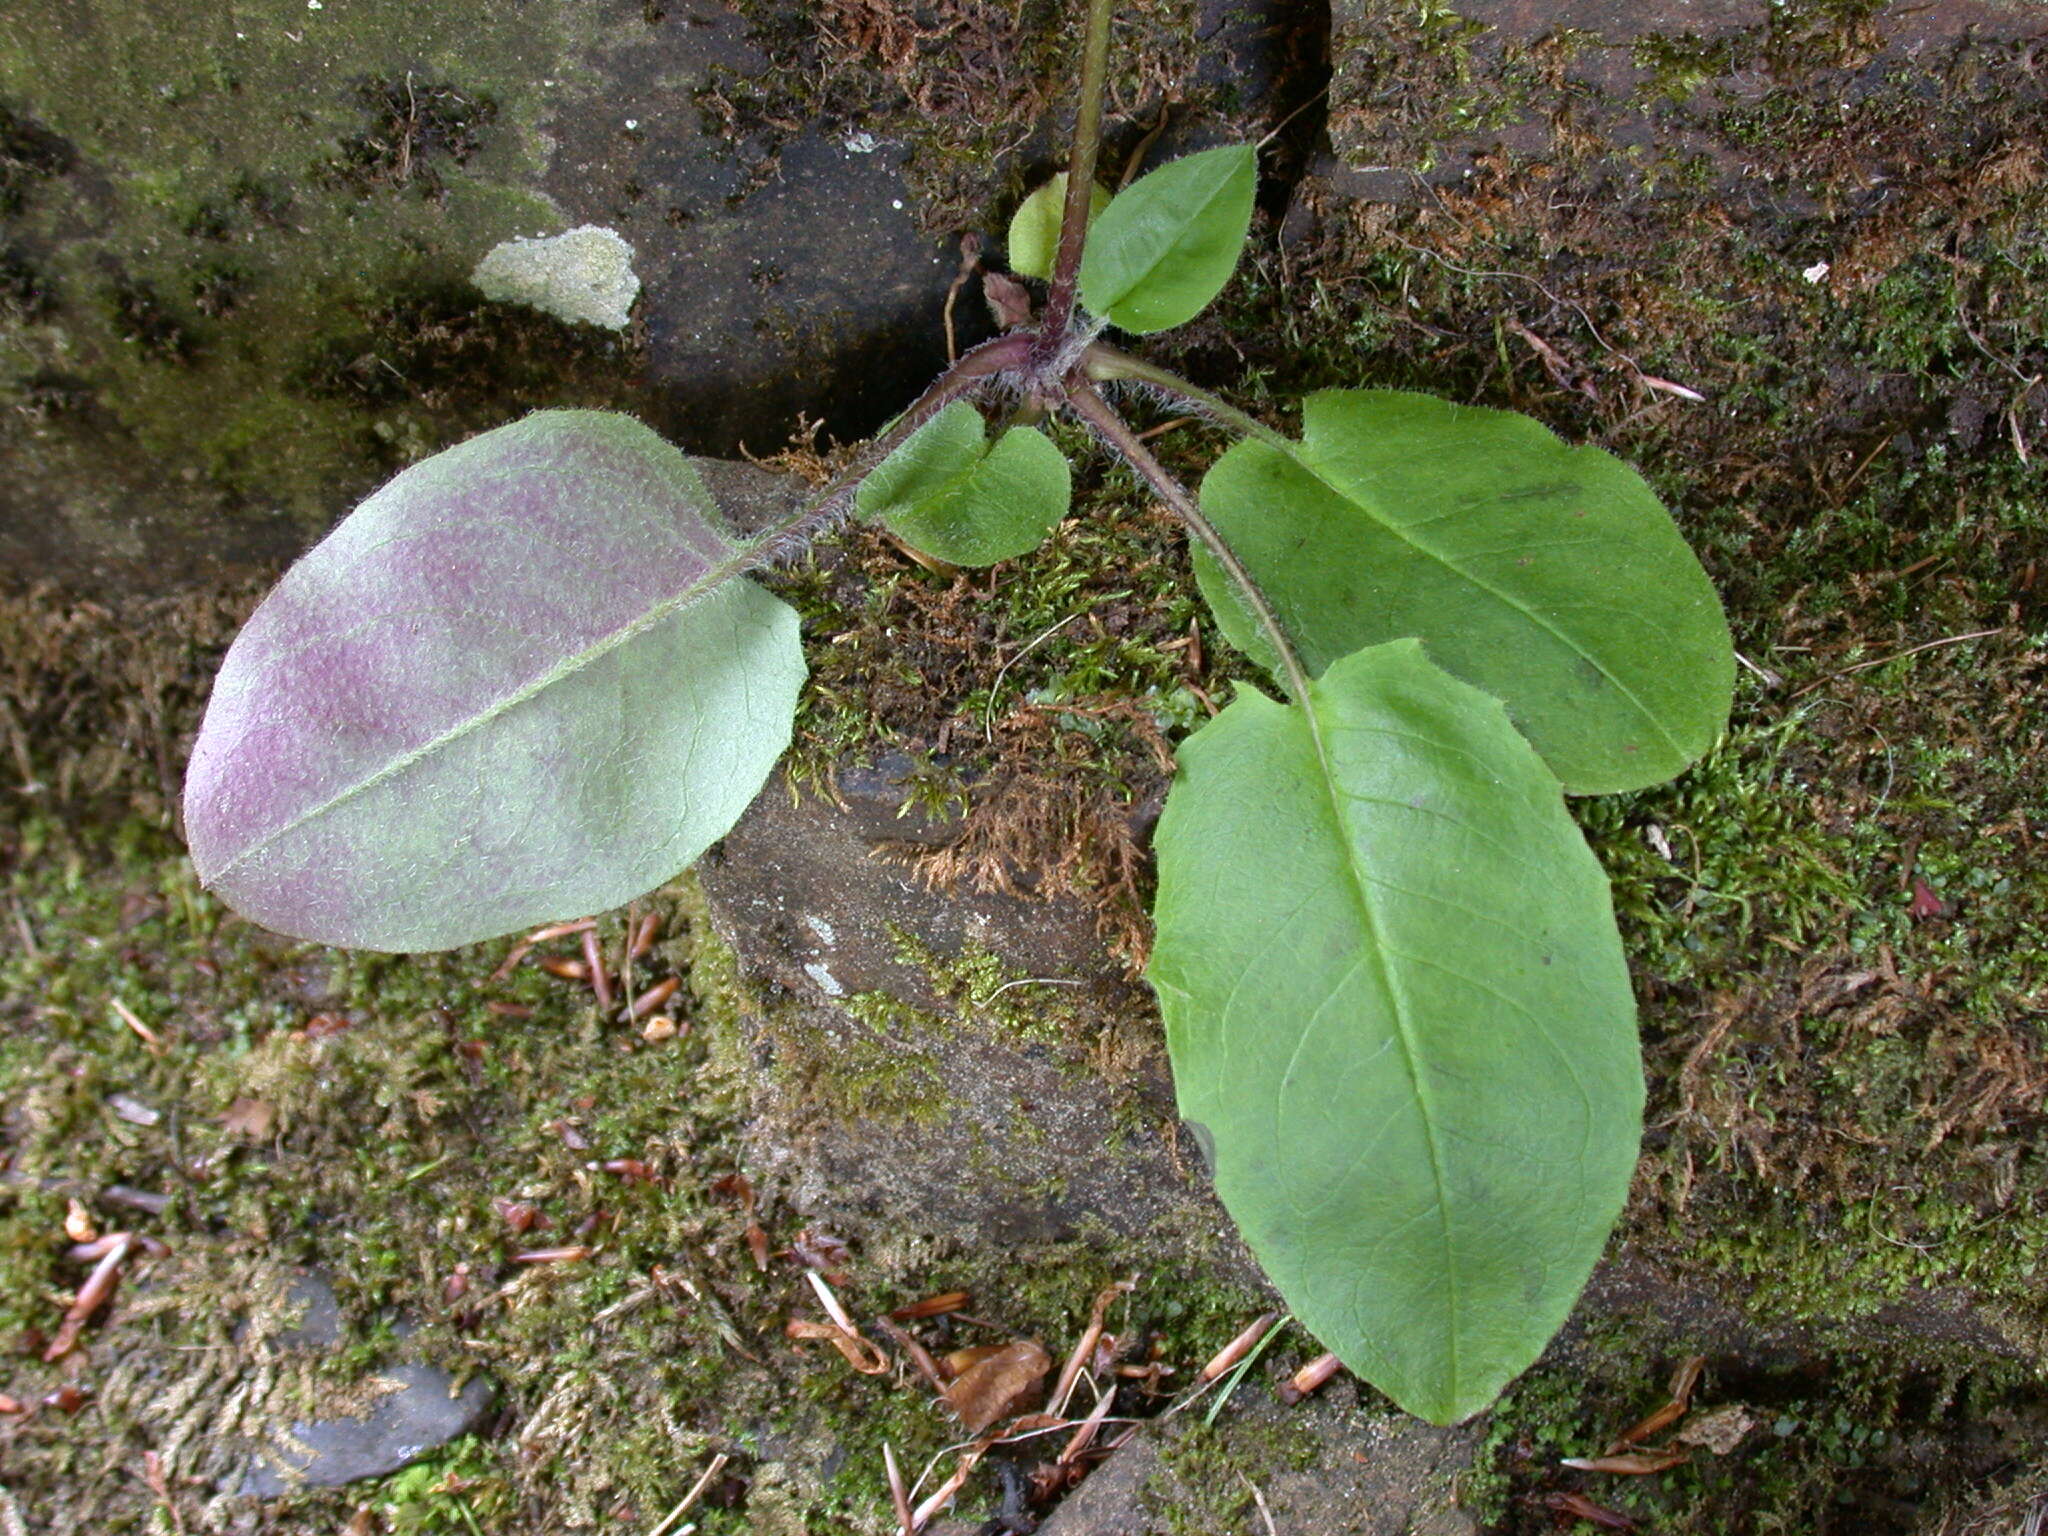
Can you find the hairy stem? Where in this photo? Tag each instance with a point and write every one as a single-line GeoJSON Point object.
{"type": "Point", "coordinates": [974, 369]}
{"type": "Point", "coordinates": [1118, 434]}
{"type": "Point", "coordinates": [1105, 362]}
{"type": "Point", "coordinates": [1066, 267]}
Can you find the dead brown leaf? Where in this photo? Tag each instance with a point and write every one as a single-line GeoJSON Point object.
{"type": "Point", "coordinates": [1719, 1430]}
{"type": "Point", "coordinates": [932, 1306]}
{"type": "Point", "coordinates": [1004, 1383]}
{"type": "Point", "coordinates": [821, 1251]}
{"type": "Point", "coordinates": [251, 1119]}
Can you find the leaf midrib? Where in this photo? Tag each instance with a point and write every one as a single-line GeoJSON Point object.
{"type": "Point", "coordinates": [1410, 1050]}
{"type": "Point", "coordinates": [1299, 453]}
{"type": "Point", "coordinates": [741, 559]}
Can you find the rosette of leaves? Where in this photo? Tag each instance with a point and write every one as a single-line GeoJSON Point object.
{"type": "Point", "coordinates": [530, 679]}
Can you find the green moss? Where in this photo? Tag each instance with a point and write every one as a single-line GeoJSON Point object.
{"type": "Point", "coordinates": [1206, 1474]}
{"type": "Point", "coordinates": [987, 994]}
{"type": "Point", "coordinates": [885, 1071]}
{"type": "Point", "coordinates": [1081, 647]}
{"type": "Point", "coordinates": [246, 197]}
{"type": "Point", "coordinates": [457, 1491]}
{"type": "Point", "coordinates": [385, 1136]}
{"type": "Point", "coordinates": [1834, 1435]}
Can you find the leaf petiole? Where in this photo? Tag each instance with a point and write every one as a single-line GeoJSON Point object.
{"type": "Point", "coordinates": [1106, 364]}
{"type": "Point", "coordinates": [976, 367]}
{"type": "Point", "coordinates": [1115, 431]}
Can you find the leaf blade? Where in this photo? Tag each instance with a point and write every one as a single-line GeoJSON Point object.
{"type": "Point", "coordinates": [1034, 237]}
{"type": "Point", "coordinates": [1546, 574]}
{"type": "Point", "coordinates": [554, 605]}
{"type": "Point", "coordinates": [1167, 244]}
{"type": "Point", "coordinates": [1425, 1162]}
{"type": "Point", "coordinates": [952, 492]}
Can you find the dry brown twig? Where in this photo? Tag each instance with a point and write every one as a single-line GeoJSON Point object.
{"type": "Point", "coordinates": [906, 1519]}
{"type": "Point", "coordinates": [91, 1296]}
{"type": "Point", "coordinates": [600, 978]}
{"type": "Point", "coordinates": [1911, 650]}
{"type": "Point", "coordinates": [1258, 1498]}
{"type": "Point", "coordinates": [1076, 1447]}
{"type": "Point", "coordinates": [525, 946]}
{"type": "Point", "coordinates": [652, 999]}
{"type": "Point", "coordinates": [151, 1040]}
{"type": "Point", "coordinates": [1070, 1373]}
{"type": "Point", "coordinates": [916, 1353]}
{"type": "Point", "coordinates": [1310, 1378]}
{"type": "Point", "coordinates": [1237, 1348]}
{"type": "Point", "coordinates": [696, 1492]}
{"type": "Point", "coordinates": [860, 1352]}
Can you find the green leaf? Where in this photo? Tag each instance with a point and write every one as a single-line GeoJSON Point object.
{"type": "Point", "coordinates": [1548, 575]}
{"type": "Point", "coordinates": [1035, 226]}
{"type": "Point", "coordinates": [523, 681]}
{"type": "Point", "coordinates": [952, 493]}
{"type": "Point", "coordinates": [1168, 243]}
{"type": "Point", "coordinates": [1399, 1014]}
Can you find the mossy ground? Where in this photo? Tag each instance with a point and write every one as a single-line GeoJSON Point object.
{"type": "Point", "coordinates": [377, 1116]}
{"type": "Point", "coordinates": [1839, 921]}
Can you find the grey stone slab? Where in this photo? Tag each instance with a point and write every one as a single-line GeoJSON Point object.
{"type": "Point", "coordinates": [197, 381]}
{"type": "Point", "coordinates": [415, 1411]}
{"type": "Point", "coordinates": [319, 1320]}
{"type": "Point", "coordinates": [1346, 1473]}
{"type": "Point", "coordinates": [1017, 1137]}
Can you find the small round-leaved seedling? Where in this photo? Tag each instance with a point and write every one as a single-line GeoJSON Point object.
{"type": "Point", "coordinates": [529, 678]}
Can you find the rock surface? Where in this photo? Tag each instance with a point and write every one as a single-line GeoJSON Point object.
{"type": "Point", "coordinates": [1341, 1473]}
{"type": "Point", "coordinates": [416, 1408]}
{"type": "Point", "coordinates": [235, 266]}
{"type": "Point", "coordinates": [402, 1411]}
{"type": "Point", "coordinates": [971, 1063]}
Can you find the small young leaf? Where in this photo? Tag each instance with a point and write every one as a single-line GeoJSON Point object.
{"type": "Point", "coordinates": [1548, 575]}
{"type": "Point", "coordinates": [522, 681]}
{"type": "Point", "coordinates": [1035, 226]}
{"type": "Point", "coordinates": [952, 493]}
{"type": "Point", "coordinates": [1168, 243]}
{"type": "Point", "coordinates": [1396, 1001]}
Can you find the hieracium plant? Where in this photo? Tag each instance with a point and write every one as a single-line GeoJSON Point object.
{"type": "Point", "coordinates": [530, 679]}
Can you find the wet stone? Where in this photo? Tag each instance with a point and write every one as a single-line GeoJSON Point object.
{"type": "Point", "coordinates": [775, 280]}
{"type": "Point", "coordinates": [417, 1409]}
{"type": "Point", "coordinates": [403, 1410]}
{"type": "Point", "coordinates": [205, 379]}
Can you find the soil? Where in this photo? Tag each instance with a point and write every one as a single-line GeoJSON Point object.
{"type": "Point", "coordinates": [1822, 218]}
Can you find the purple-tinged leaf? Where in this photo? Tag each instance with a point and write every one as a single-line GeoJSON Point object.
{"type": "Point", "coordinates": [525, 680]}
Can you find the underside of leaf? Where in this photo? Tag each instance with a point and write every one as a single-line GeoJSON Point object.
{"type": "Point", "coordinates": [1398, 1009]}
{"type": "Point", "coordinates": [524, 680]}
{"type": "Point", "coordinates": [1035, 226]}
